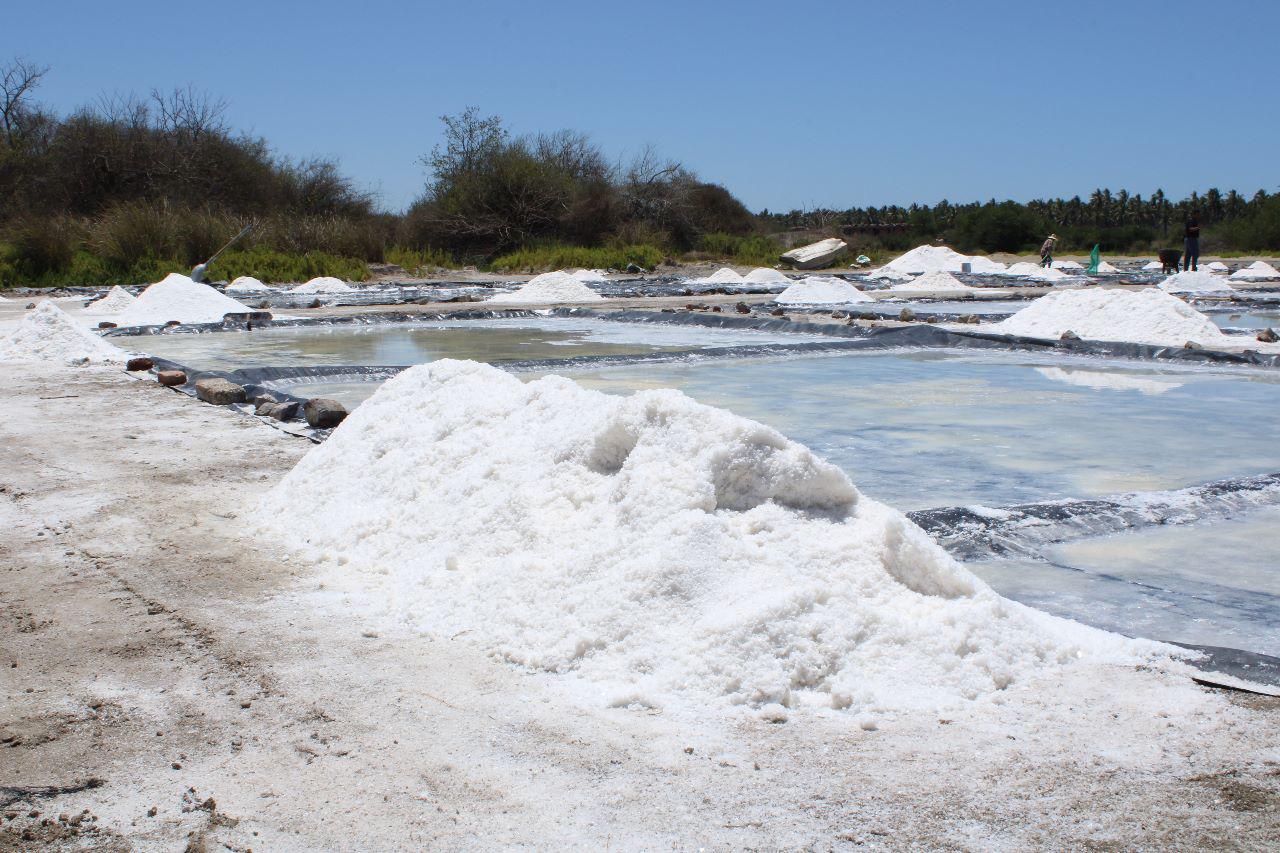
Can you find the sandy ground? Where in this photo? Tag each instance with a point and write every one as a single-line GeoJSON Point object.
{"type": "Point", "coordinates": [226, 703]}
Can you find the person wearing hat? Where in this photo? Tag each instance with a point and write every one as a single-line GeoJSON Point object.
{"type": "Point", "coordinates": [1046, 250]}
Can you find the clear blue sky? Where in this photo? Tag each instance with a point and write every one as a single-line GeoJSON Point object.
{"type": "Point", "coordinates": [789, 105]}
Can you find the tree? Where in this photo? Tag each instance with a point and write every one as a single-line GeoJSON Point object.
{"type": "Point", "coordinates": [18, 80]}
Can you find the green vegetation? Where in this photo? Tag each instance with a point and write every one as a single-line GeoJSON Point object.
{"type": "Point", "coordinates": [555, 256]}
{"type": "Point", "coordinates": [755, 249]}
{"type": "Point", "coordinates": [419, 261]}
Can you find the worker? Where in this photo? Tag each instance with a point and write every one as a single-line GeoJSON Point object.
{"type": "Point", "coordinates": [1046, 250]}
{"type": "Point", "coordinates": [1191, 243]}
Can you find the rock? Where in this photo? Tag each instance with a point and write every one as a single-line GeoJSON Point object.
{"type": "Point", "coordinates": [316, 303]}
{"type": "Point", "coordinates": [139, 363]}
{"type": "Point", "coordinates": [815, 255]}
{"type": "Point", "coordinates": [284, 411]}
{"type": "Point", "coordinates": [264, 407]}
{"type": "Point", "coordinates": [906, 315]}
{"type": "Point", "coordinates": [688, 291]}
{"type": "Point", "coordinates": [778, 312]}
{"type": "Point", "coordinates": [931, 319]}
{"type": "Point", "coordinates": [1268, 336]}
{"type": "Point", "coordinates": [218, 391]}
{"type": "Point", "coordinates": [30, 305]}
{"type": "Point", "coordinates": [1069, 335]}
{"type": "Point", "coordinates": [322, 413]}
{"type": "Point", "coordinates": [1191, 345]}
{"type": "Point", "coordinates": [173, 323]}
{"type": "Point", "coordinates": [636, 269]}
{"type": "Point", "coordinates": [743, 308]}
{"type": "Point", "coordinates": [257, 399]}
{"type": "Point", "coordinates": [970, 319]}
{"type": "Point", "coordinates": [866, 315]}
{"type": "Point", "coordinates": [715, 309]}
{"type": "Point", "coordinates": [171, 378]}
{"type": "Point", "coordinates": [106, 324]}
{"type": "Point", "coordinates": [839, 315]}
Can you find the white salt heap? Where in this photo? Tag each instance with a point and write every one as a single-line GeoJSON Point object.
{"type": "Point", "coordinates": [47, 333]}
{"type": "Point", "coordinates": [724, 275]}
{"type": "Point", "coordinates": [1136, 316]}
{"type": "Point", "coordinates": [935, 281]}
{"type": "Point", "coordinates": [1104, 267]}
{"type": "Point", "coordinates": [1071, 266]}
{"type": "Point", "coordinates": [663, 552]}
{"type": "Point", "coordinates": [1025, 269]}
{"type": "Point", "coordinates": [1153, 265]}
{"type": "Point", "coordinates": [765, 275]}
{"type": "Point", "coordinates": [821, 290]}
{"type": "Point", "coordinates": [590, 275]}
{"type": "Point", "coordinates": [1256, 271]}
{"type": "Point", "coordinates": [1215, 266]}
{"type": "Point", "coordinates": [323, 284]}
{"type": "Point", "coordinates": [925, 259]}
{"type": "Point", "coordinates": [116, 300]}
{"type": "Point", "coordinates": [1195, 281]}
{"type": "Point", "coordinates": [247, 285]}
{"type": "Point", "coordinates": [550, 288]}
{"type": "Point", "coordinates": [179, 298]}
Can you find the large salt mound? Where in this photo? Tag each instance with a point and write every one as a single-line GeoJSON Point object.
{"type": "Point", "coordinates": [925, 259]}
{"type": "Point", "coordinates": [1136, 316]}
{"type": "Point", "coordinates": [724, 275]}
{"type": "Point", "coordinates": [323, 284]}
{"type": "Point", "coordinates": [247, 285]}
{"type": "Point", "coordinates": [179, 298]}
{"type": "Point", "coordinates": [49, 334]}
{"type": "Point", "coordinates": [662, 551]}
{"type": "Point", "coordinates": [550, 288]}
{"type": "Point", "coordinates": [1256, 271]}
{"type": "Point", "coordinates": [935, 281]}
{"type": "Point", "coordinates": [1196, 281]}
{"type": "Point", "coordinates": [765, 275]}
{"type": "Point", "coordinates": [821, 290]}
{"type": "Point", "coordinates": [1025, 269]}
{"type": "Point", "coordinates": [117, 299]}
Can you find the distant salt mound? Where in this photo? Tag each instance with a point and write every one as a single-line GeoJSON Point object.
{"type": "Point", "coordinates": [1153, 265]}
{"type": "Point", "coordinates": [116, 300]}
{"type": "Point", "coordinates": [942, 281]}
{"type": "Point", "coordinates": [765, 275]}
{"type": "Point", "coordinates": [323, 284]}
{"type": "Point", "coordinates": [650, 551]}
{"type": "Point", "coordinates": [885, 274]}
{"type": "Point", "coordinates": [247, 285]}
{"type": "Point", "coordinates": [49, 334]}
{"type": "Point", "coordinates": [1215, 266]}
{"type": "Point", "coordinates": [821, 290]}
{"type": "Point", "coordinates": [1256, 271]}
{"type": "Point", "coordinates": [724, 275]}
{"type": "Point", "coordinates": [1134, 316]}
{"type": "Point", "coordinates": [179, 298]}
{"type": "Point", "coordinates": [1073, 266]}
{"type": "Point", "coordinates": [1025, 269]}
{"type": "Point", "coordinates": [1194, 281]}
{"type": "Point", "coordinates": [590, 275]}
{"type": "Point", "coordinates": [1105, 268]}
{"type": "Point", "coordinates": [926, 259]}
{"type": "Point", "coordinates": [550, 288]}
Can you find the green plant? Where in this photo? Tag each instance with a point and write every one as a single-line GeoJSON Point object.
{"type": "Point", "coordinates": [418, 261]}
{"type": "Point", "coordinates": [556, 256]}
{"type": "Point", "coordinates": [753, 249]}
{"type": "Point", "coordinates": [271, 266]}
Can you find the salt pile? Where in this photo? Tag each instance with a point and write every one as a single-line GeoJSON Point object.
{"type": "Point", "coordinates": [179, 298]}
{"type": "Point", "coordinates": [1068, 265]}
{"type": "Point", "coordinates": [1194, 281]}
{"type": "Point", "coordinates": [935, 281]}
{"type": "Point", "coordinates": [1025, 269]}
{"type": "Point", "coordinates": [924, 259]}
{"type": "Point", "coordinates": [1104, 267]}
{"type": "Point", "coordinates": [724, 275]}
{"type": "Point", "coordinates": [247, 285]}
{"type": "Point", "coordinates": [323, 284]}
{"type": "Point", "coordinates": [116, 300]}
{"type": "Point", "coordinates": [1215, 266]}
{"type": "Point", "coordinates": [765, 275]}
{"type": "Point", "coordinates": [550, 288]}
{"type": "Point", "coordinates": [821, 290]}
{"type": "Point", "coordinates": [49, 334]}
{"type": "Point", "coordinates": [1256, 271]}
{"type": "Point", "coordinates": [662, 552]}
{"type": "Point", "coordinates": [1153, 265]}
{"type": "Point", "coordinates": [590, 275]}
{"type": "Point", "coordinates": [1136, 316]}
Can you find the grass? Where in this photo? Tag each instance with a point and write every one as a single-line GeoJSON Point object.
{"type": "Point", "coordinates": [271, 266]}
{"type": "Point", "coordinates": [752, 250]}
{"type": "Point", "coordinates": [556, 256]}
{"type": "Point", "coordinates": [420, 262]}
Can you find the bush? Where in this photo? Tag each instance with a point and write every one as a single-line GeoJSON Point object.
{"type": "Point", "coordinates": [271, 266]}
{"type": "Point", "coordinates": [755, 250]}
{"type": "Point", "coordinates": [554, 257]}
{"type": "Point", "coordinates": [419, 261]}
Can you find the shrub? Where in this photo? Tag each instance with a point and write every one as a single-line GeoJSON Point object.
{"type": "Point", "coordinates": [418, 260]}
{"type": "Point", "coordinates": [271, 266]}
{"type": "Point", "coordinates": [756, 249]}
{"type": "Point", "coordinates": [554, 257]}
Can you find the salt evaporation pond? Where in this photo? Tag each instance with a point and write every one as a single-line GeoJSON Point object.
{"type": "Point", "coordinates": [1212, 583]}
{"type": "Point", "coordinates": [387, 344]}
